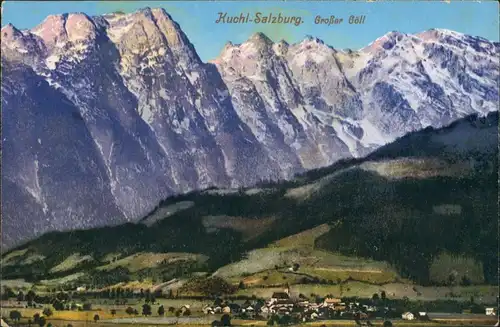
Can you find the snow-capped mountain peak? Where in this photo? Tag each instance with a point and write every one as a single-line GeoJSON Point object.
{"type": "Point", "coordinates": [57, 30]}
{"type": "Point", "coordinates": [260, 39]}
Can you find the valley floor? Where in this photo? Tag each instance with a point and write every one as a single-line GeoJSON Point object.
{"type": "Point", "coordinates": [121, 319]}
{"type": "Point", "coordinates": [190, 323]}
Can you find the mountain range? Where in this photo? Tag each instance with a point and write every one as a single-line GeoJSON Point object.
{"type": "Point", "coordinates": [419, 211]}
{"type": "Point", "coordinates": [105, 116]}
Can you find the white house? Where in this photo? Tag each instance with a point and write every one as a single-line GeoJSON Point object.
{"type": "Point", "coordinates": [249, 309]}
{"type": "Point", "coordinates": [185, 308]}
{"type": "Point", "coordinates": [81, 289]}
{"type": "Point", "coordinates": [314, 306]}
{"type": "Point", "coordinates": [490, 311]}
{"type": "Point", "coordinates": [303, 303]}
{"type": "Point", "coordinates": [208, 310]}
{"type": "Point", "coordinates": [408, 316]}
{"type": "Point", "coordinates": [283, 311]}
{"type": "Point", "coordinates": [331, 302]}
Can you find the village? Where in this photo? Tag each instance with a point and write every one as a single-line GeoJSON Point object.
{"type": "Point", "coordinates": [287, 308]}
{"type": "Point", "coordinates": [297, 307]}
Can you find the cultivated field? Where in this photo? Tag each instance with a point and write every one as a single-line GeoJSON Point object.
{"type": "Point", "coordinates": [145, 260]}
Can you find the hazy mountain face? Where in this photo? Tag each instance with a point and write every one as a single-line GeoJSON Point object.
{"type": "Point", "coordinates": [105, 116]}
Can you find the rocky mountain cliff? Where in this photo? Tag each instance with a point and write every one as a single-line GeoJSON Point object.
{"type": "Point", "coordinates": [105, 116]}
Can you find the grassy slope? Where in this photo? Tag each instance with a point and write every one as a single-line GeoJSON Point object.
{"type": "Point", "coordinates": [351, 276]}
{"type": "Point", "coordinates": [139, 261]}
{"type": "Point", "coordinates": [271, 265]}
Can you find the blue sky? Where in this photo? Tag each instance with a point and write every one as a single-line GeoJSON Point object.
{"type": "Point", "coordinates": [197, 19]}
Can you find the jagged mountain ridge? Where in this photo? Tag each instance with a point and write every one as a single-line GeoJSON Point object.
{"type": "Point", "coordinates": [139, 116]}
